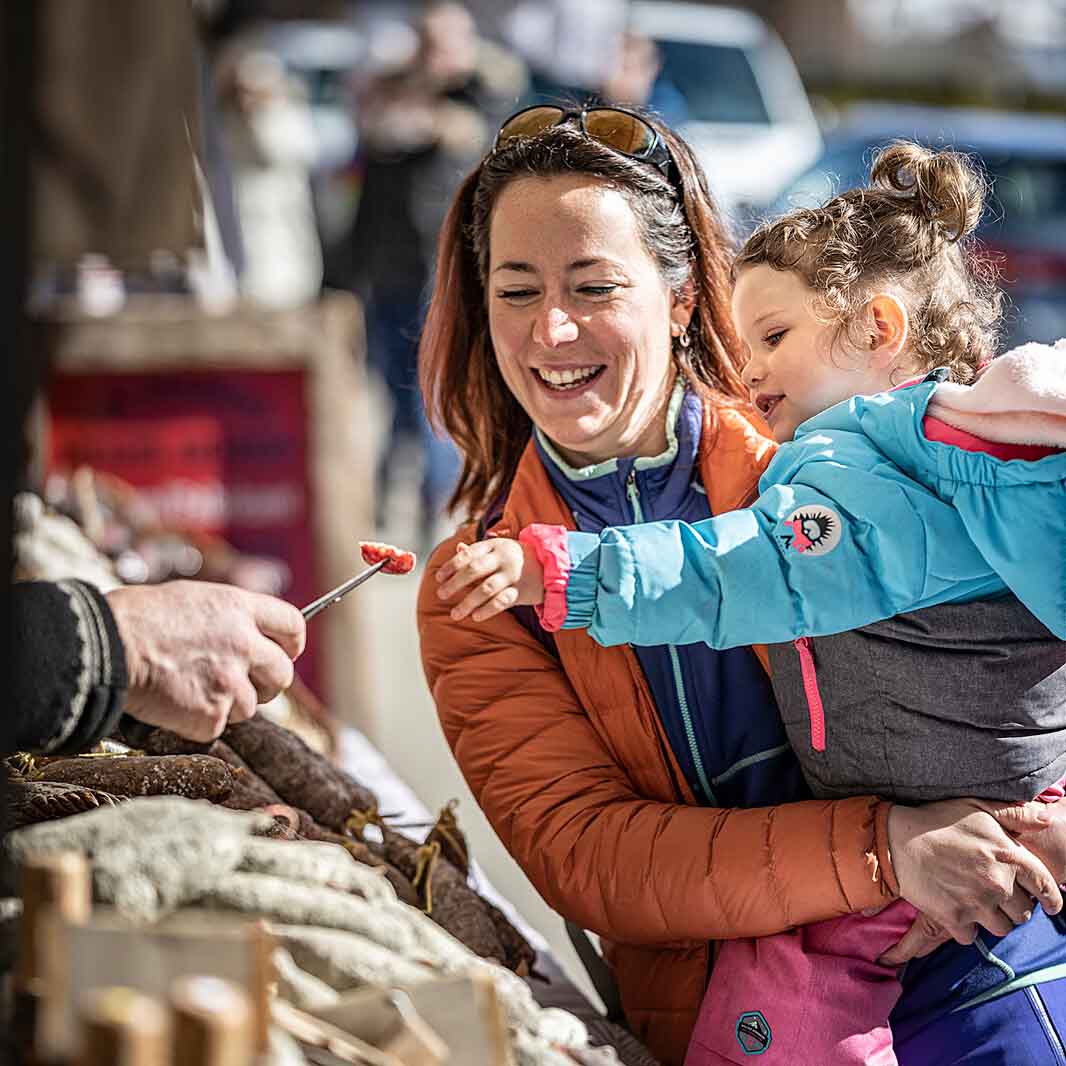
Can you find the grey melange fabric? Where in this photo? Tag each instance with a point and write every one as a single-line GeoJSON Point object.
{"type": "Point", "coordinates": [955, 700]}
{"type": "Point", "coordinates": [115, 117]}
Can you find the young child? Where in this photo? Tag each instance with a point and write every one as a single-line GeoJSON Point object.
{"type": "Point", "coordinates": [896, 528]}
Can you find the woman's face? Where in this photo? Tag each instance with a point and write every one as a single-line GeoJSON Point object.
{"type": "Point", "coordinates": [580, 318]}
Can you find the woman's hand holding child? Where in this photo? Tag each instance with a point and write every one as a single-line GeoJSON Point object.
{"type": "Point", "coordinates": [961, 869]}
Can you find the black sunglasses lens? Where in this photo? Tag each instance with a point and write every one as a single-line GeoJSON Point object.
{"type": "Point", "coordinates": [529, 123]}
{"type": "Point", "coordinates": [625, 133]}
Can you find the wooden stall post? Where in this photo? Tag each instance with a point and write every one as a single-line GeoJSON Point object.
{"type": "Point", "coordinates": [53, 887]}
{"type": "Point", "coordinates": [211, 1023]}
{"type": "Point", "coordinates": [121, 1027]}
{"type": "Point", "coordinates": [61, 883]}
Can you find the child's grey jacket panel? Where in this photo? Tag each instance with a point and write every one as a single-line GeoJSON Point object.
{"type": "Point", "coordinates": [954, 700]}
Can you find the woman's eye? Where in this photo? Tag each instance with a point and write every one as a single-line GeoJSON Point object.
{"type": "Point", "coordinates": [774, 339]}
{"type": "Point", "coordinates": [516, 294]}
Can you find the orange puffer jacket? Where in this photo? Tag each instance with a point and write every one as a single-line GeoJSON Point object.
{"type": "Point", "coordinates": [569, 761]}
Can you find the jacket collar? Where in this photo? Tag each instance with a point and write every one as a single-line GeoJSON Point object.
{"type": "Point", "coordinates": [599, 494]}
{"type": "Point", "coordinates": [735, 447]}
{"type": "Point", "coordinates": [609, 467]}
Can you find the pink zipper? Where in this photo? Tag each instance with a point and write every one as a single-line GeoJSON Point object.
{"type": "Point", "coordinates": [814, 697]}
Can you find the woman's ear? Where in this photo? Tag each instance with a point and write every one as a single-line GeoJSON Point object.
{"type": "Point", "coordinates": [682, 308]}
{"type": "Point", "coordinates": [889, 326]}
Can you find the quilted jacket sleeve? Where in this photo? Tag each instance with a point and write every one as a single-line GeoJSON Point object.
{"type": "Point", "coordinates": [629, 868]}
{"type": "Point", "coordinates": [842, 540]}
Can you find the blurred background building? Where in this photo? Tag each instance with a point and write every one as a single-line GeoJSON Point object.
{"type": "Point", "coordinates": [240, 419]}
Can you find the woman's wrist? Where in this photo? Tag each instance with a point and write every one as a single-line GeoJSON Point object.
{"type": "Point", "coordinates": [884, 817]}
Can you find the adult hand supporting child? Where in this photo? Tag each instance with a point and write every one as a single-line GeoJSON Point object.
{"type": "Point", "coordinates": [1041, 829]}
{"type": "Point", "coordinates": [965, 863]}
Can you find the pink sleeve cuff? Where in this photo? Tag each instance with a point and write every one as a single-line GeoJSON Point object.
{"type": "Point", "coordinates": [549, 546]}
{"type": "Point", "coordinates": [1053, 793]}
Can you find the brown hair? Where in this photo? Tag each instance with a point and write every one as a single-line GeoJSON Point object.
{"type": "Point", "coordinates": [464, 391]}
{"type": "Point", "coordinates": [910, 229]}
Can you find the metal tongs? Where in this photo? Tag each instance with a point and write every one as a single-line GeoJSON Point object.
{"type": "Point", "coordinates": [340, 591]}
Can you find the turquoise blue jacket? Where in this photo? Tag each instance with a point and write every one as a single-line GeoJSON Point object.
{"type": "Point", "coordinates": [860, 518]}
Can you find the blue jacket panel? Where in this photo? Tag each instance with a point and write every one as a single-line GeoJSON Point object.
{"type": "Point", "coordinates": [860, 519]}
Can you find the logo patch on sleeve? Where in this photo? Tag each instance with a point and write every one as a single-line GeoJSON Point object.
{"type": "Point", "coordinates": [812, 530]}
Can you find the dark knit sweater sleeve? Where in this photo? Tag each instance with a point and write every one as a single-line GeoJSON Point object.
{"type": "Point", "coordinates": [69, 667]}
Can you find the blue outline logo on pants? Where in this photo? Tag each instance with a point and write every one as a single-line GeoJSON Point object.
{"type": "Point", "coordinates": [753, 1033]}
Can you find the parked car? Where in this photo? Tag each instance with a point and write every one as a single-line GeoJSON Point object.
{"type": "Point", "coordinates": [1024, 157]}
{"type": "Point", "coordinates": [742, 104]}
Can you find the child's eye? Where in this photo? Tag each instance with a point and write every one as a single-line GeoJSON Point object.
{"type": "Point", "coordinates": [774, 339]}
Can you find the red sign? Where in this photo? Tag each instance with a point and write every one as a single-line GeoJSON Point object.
{"type": "Point", "coordinates": [216, 451]}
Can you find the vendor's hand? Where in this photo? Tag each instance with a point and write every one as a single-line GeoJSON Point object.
{"type": "Point", "coordinates": [956, 864]}
{"type": "Point", "coordinates": [503, 572]}
{"type": "Point", "coordinates": [200, 655]}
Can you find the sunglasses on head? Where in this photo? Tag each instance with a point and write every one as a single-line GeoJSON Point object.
{"type": "Point", "coordinates": [623, 131]}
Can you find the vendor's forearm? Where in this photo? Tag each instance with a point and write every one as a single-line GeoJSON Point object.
{"type": "Point", "coordinates": [69, 668]}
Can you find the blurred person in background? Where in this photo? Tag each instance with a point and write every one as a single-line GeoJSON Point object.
{"type": "Point", "coordinates": [636, 79]}
{"type": "Point", "coordinates": [570, 48]}
{"type": "Point", "coordinates": [271, 147]}
{"type": "Point", "coordinates": [423, 124]}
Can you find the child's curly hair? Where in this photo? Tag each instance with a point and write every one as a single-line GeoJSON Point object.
{"type": "Point", "coordinates": [911, 230]}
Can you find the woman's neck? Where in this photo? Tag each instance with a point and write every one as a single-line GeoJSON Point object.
{"type": "Point", "coordinates": [657, 439]}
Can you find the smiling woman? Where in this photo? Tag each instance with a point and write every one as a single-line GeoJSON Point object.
{"type": "Point", "coordinates": [579, 349]}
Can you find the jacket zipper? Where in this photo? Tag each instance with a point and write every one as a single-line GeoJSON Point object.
{"type": "Point", "coordinates": [815, 711]}
{"type": "Point", "coordinates": [633, 494]}
{"type": "Point", "coordinates": [1054, 1038]}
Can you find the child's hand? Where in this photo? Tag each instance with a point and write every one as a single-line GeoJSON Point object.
{"type": "Point", "coordinates": [503, 572]}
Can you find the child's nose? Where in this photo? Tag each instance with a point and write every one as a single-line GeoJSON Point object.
{"type": "Point", "coordinates": [753, 373]}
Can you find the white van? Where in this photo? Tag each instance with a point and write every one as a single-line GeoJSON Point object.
{"type": "Point", "coordinates": [738, 98]}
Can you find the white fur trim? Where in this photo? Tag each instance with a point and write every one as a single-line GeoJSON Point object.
{"type": "Point", "coordinates": [1019, 399]}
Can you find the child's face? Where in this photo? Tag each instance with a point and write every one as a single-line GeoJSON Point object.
{"type": "Point", "coordinates": [794, 371]}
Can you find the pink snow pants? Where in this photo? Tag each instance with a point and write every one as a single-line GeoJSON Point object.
{"type": "Point", "coordinates": [815, 996]}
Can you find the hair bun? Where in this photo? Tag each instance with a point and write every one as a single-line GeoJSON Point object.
{"type": "Point", "coordinates": [945, 188]}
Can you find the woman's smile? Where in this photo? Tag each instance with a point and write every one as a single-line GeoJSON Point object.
{"type": "Point", "coordinates": [567, 379]}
